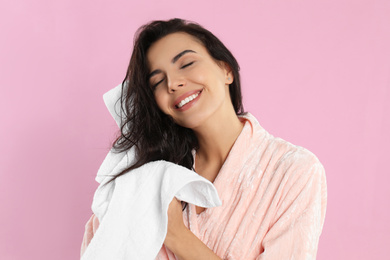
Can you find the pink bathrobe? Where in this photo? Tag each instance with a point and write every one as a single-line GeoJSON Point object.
{"type": "Point", "coordinates": [273, 197]}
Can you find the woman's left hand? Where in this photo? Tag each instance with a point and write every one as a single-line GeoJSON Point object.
{"type": "Point", "coordinates": [176, 225]}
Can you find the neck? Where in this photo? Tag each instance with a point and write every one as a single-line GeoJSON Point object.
{"type": "Point", "coordinates": [216, 137]}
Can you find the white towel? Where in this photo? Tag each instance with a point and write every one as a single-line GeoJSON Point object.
{"type": "Point", "coordinates": [132, 210]}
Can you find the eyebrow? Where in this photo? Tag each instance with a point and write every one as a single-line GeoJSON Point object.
{"type": "Point", "coordinates": [178, 56]}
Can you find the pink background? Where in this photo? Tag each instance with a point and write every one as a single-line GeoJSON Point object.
{"type": "Point", "coordinates": [315, 73]}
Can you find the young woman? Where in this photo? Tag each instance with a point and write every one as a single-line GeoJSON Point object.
{"type": "Point", "coordinates": [183, 104]}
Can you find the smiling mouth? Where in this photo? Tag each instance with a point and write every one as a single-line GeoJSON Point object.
{"type": "Point", "coordinates": [188, 100]}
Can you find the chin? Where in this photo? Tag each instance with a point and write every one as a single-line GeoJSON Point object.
{"type": "Point", "coordinates": [194, 121]}
{"type": "Point", "coordinates": [187, 124]}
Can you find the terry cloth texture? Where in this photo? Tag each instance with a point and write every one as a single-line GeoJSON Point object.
{"type": "Point", "coordinates": [130, 214]}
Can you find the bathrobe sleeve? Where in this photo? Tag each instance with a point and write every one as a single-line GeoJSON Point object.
{"type": "Point", "coordinates": [90, 229]}
{"type": "Point", "coordinates": [300, 205]}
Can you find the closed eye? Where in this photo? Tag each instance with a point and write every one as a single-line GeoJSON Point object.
{"type": "Point", "coordinates": [155, 85]}
{"type": "Point", "coordinates": [186, 65]}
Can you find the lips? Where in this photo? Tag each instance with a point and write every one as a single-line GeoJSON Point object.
{"type": "Point", "coordinates": [185, 95]}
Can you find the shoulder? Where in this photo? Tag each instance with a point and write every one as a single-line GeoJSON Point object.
{"type": "Point", "coordinates": [298, 166]}
{"type": "Point", "coordinates": [282, 155]}
{"type": "Point", "coordinates": [292, 174]}
{"type": "Point", "coordinates": [300, 175]}
{"type": "Point", "coordinates": [296, 156]}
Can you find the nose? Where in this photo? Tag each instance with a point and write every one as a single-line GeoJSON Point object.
{"type": "Point", "coordinates": [175, 82]}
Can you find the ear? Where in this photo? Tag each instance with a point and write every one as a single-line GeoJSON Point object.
{"type": "Point", "coordinates": [228, 73]}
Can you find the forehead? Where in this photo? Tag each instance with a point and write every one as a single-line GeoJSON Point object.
{"type": "Point", "coordinates": [167, 47]}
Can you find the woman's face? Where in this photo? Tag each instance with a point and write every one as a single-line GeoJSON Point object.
{"type": "Point", "coordinates": [188, 83]}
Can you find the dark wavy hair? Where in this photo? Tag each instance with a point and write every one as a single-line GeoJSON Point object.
{"type": "Point", "coordinates": [154, 134]}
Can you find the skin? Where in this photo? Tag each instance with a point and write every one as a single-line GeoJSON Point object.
{"type": "Point", "coordinates": [211, 117]}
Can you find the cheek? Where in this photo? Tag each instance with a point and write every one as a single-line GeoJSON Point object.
{"type": "Point", "coordinates": [199, 77]}
{"type": "Point", "coordinates": [208, 75]}
{"type": "Point", "coordinates": [162, 102]}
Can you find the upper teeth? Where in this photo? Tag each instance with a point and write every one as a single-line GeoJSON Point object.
{"type": "Point", "coordinates": [187, 99]}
